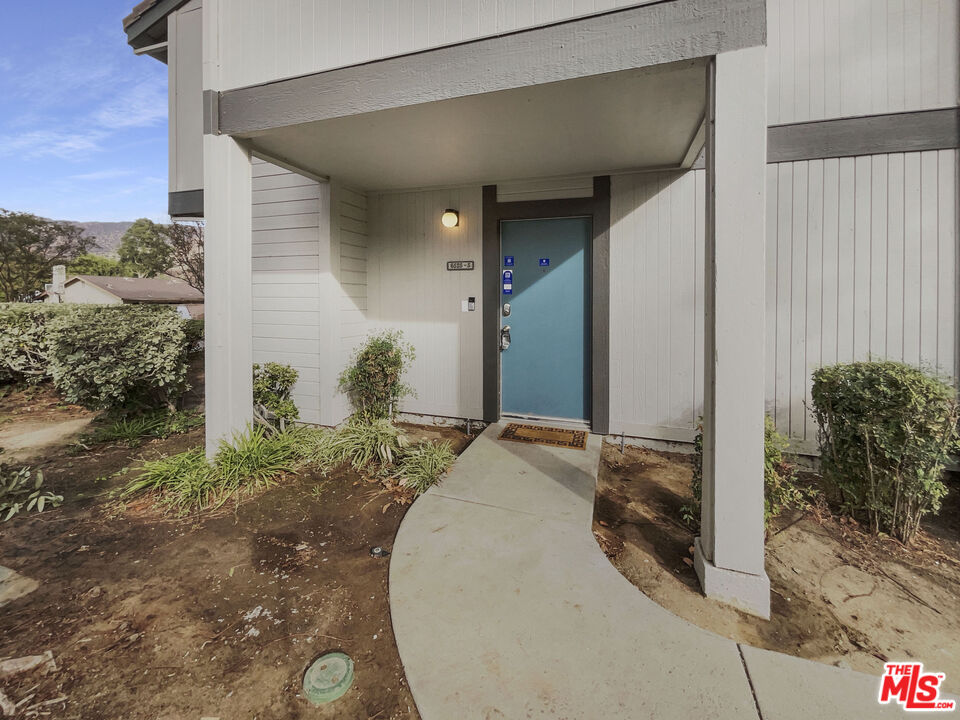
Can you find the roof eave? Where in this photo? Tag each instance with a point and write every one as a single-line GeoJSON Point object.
{"type": "Point", "coordinates": [150, 26]}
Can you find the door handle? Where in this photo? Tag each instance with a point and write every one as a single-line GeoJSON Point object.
{"type": "Point", "coordinates": [504, 337]}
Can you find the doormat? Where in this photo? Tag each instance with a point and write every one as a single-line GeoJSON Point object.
{"type": "Point", "coordinates": [541, 435]}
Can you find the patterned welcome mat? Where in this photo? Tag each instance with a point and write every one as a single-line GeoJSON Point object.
{"type": "Point", "coordinates": [557, 437]}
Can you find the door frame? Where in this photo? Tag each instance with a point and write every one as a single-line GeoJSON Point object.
{"type": "Point", "coordinates": [597, 208]}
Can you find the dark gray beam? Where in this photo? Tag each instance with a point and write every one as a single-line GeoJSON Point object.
{"type": "Point", "coordinates": [186, 203]}
{"type": "Point", "coordinates": [636, 37]}
{"type": "Point", "coordinates": [867, 135]}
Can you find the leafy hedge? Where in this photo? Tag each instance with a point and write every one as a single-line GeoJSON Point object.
{"type": "Point", "coordinates": [886, 430]}
{"type": "Point", "coordinates": [104, 356]}
{"type": "Point", "coordinates": [25, 341]}
{"type": "Point", "coordinates": [780, 488]}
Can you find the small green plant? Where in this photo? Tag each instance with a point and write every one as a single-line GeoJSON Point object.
{"type": "Point", "coordinates": [253, 460]}
{"type": "Point", "coordinates": [272, 385]}
{"type": "Point", "coordinates": [780, 488]}
{"type": "Point", "coordinates": [360, 442]}
{"type": "Point", "coordinates": [22, 490]}
{"type": "Point", "coordinates": [886, 431]}
{"type": "Point", "coordinates": [373, 380]}
{"type": "Point", "coordinates": [183, 482]}
{"type": "Point", "coordinates": [421, 467]}
{"type": "Point", "coordinates": [256, 458]}
{"type": "Point", "coordinates": [132, 430]}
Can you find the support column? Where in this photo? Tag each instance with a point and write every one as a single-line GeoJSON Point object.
{"type": "Point", "coordinates": [729, 554]}
{"type": "Point", "coordinates": [227, 288]}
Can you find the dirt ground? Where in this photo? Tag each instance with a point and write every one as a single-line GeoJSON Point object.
{"type": "Point", "coordinates": [840, 596]}
{"type": "Point", "coordinates": [212, 617]}
{"type": "Point", "coordinates": [34, 419]}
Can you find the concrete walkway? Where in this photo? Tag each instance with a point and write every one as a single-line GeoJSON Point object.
{"type": "Point", "coordinates": [504, 607]}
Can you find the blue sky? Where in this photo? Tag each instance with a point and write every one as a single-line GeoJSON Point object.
{"type": "Point", "coordinates": [83, 121]}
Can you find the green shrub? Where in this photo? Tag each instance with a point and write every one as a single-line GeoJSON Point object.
{"type": "Point", "coordinates": [272, 384]}
{"type": "Point", "coordinates": [104, 356]}
{"type": "Point", "coordinates": [421, 467]}
{"type": "Point", "coordinates": [194, 329]}
{"type": "Point", "coordinates": [372, 381]}
{"type": "Point", "coordinates": [25, 341]}
{"type": "Point", "coordinates": [886, 430]}
{"type": "Point", "coordinates": [780, 489]}
{"type": "Point", "coordinates": [21, 490]}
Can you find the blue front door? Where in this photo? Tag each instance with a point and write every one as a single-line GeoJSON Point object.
{"type": "Point", "coordinates": [545, 279]}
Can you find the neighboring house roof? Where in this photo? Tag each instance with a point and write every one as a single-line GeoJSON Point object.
{"type": "Point", "coordinates": [163, 289]}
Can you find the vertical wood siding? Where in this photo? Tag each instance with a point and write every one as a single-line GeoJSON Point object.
{"type": "Point", "coordinates": [185, 133]}
{"type": "Point", "coordinates": [411, 290]}
{"type": "Point", "coordinates": [839, 58]}
{"type": "Point", "coordinates": [861, 263]}
{"type": "Point", "coordinates": [265, 40]}
{"type": "Point", "coordinates": [287, 307]}
{"type": "Point", "coordinates": [350, 248]}
{"type": "Point", "coordinates": [656, 304]}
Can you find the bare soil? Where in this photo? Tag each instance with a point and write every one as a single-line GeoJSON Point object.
{"type": "Point", "coordinates": [34, 420]}
{"type": "Point", "coordinates": [840, 595]}
{"type": "Point", "coordinates": [213, 616]}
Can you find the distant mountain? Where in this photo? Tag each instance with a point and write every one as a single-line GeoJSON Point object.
{"type": "Point", "coordinates": [108, 235]}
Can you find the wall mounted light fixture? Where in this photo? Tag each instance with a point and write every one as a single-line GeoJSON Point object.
{"type": "Point", "coordinates": [450, 218]}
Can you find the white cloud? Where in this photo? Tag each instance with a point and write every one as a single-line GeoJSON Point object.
{"type": "Point", "coordinates": [40, 143]}
{"type": "Point", "coordinates": [140, 105]}
{"type": "Point", "coordinates": [102, 175]}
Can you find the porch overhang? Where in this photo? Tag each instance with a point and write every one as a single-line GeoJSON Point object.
{"type": "Point", "coordinates": [628, 120]}
{"type": "Point", "coordinates": [617, 91]}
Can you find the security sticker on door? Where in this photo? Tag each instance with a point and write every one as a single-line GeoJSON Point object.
{"type": "Point", "coordinates": [544, 262]}
{"type": "Point", "coordinates": [508, 282]}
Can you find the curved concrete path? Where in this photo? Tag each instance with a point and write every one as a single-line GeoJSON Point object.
{"type": "Point", "coordinates": [504, 606]}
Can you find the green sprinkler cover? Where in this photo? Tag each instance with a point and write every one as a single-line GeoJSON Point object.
{"type": "Point", "coordinates": [328, 678]}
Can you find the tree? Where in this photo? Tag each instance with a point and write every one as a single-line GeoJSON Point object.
{"type": "Point", "coordinates": [186, 249]}
{"type": "Point", "coordinates": [90, 264]}
{"type": "Point", "coordinates": [143, 249]}
{"type": "Point", "coordinates": [29, 248]}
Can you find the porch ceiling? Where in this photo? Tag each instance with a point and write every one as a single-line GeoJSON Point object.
{"type": "Point", "coordinates": [627, 120]}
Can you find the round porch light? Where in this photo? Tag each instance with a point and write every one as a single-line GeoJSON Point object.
{"type": "Point", "coordinates": [450, 218]}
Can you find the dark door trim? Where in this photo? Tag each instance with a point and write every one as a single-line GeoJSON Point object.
{"type": "Point", "coordinates": [598, 207]}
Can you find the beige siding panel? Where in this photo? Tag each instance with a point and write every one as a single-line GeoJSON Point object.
{"type": "Point", "coordinates": [861, 263]}
{"type": "Point", "coordinates": [264, 40]}
{"type": "Point", "coordinates": [185, 132]}
{"type": "Point", "coordinates": [656, 304]}
{"type": "Point", "coordinates": [864, 255]}
{"type": "Point", "coordinates": [411, 290]}
{"type": "Point", "coordinates": [287, 308]}
{"type": "Point", "coordinates": [840, 58]}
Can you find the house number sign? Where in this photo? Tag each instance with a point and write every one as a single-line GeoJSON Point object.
{"type": "Point", "coordinates": [459, 264]}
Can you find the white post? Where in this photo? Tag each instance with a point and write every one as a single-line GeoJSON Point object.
{"type": "Point", "coordinates": [228, 314]}
{"type": "Point", "coordinates": [228, 250]}
{"type": "Point", "coordinates": [729, 554]}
